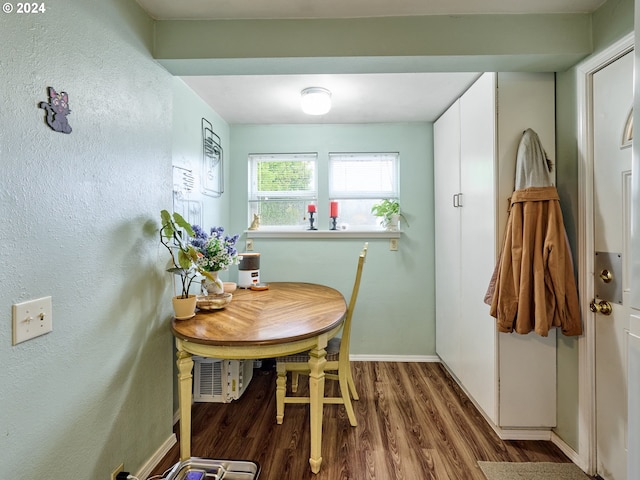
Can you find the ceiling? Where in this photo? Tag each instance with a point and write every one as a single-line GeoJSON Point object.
{"type": "Point", "coordinates": [356, 98]}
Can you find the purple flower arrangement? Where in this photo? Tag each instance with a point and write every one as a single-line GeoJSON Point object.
{"type": "Point", "coordinates": [217, 250]}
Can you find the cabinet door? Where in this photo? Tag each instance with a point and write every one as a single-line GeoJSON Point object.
{"type": "Point", "coordinates": [477, 252]}
{"type": "Point", "coordinates": [446, 133]}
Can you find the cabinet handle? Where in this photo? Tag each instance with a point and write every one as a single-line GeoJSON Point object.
{"type": "Point", "coordinates": [460, 200]}
{"type": "Point", "coordinates": [455, 200]}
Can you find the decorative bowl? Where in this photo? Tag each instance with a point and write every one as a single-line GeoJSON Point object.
{"type": "Point", "coordinates": [213, 302]}
{"type": "Point", "coordinates": [229, 287]}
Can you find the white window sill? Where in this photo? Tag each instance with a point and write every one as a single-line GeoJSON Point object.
{"type": "Point", "coordinates": [296, 233]}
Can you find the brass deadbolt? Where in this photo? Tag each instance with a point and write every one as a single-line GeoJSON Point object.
{"type": "Point", "coordinates": [606, 276]}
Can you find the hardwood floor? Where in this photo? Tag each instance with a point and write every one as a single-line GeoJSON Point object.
{"type": "Point", "coordinates": [414, 423]}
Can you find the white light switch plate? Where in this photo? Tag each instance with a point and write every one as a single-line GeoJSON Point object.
{"type": "Point", "coordinates": [32, 319]}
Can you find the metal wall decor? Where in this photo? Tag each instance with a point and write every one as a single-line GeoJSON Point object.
{"type": "Point", "coordinates": [212, 172]}
{"type": "Point", "coordinates": [183, 188]}
{"type": "Point", "coordinates": [57, 110]}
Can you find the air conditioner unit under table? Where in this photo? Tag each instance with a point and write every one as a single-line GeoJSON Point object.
{"type": "Point", "coordinates": [220, 381]}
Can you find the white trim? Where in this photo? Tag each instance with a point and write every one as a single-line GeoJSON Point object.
{"type": "Point", "coordinates": [157, 457]}
{"type": "Point", "coordinates": [586, 344]}
{"type": "Point", "coordinates": [543, 434]}
{"type": "Point", "coordinates": [568, 451]}
{"type": "Point", "coordinates": [394, 358]}
{"type": "Point", "coordinates": [351, 233]}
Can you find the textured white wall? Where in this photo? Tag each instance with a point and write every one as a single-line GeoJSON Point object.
{"type": "Point", "coordinates": [79, 214]}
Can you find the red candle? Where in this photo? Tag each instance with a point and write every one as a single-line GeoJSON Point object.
{"type": "Point", "coordinates": [333, 209]}
{"type": "Point", "coordinates": [311, 209]}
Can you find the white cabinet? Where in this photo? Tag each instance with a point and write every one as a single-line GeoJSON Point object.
{"type": "Point", "coordinates": [446, 133]}
{"type": "Point", "coordinates": [510, 377]}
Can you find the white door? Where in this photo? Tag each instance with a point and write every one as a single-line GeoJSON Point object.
{"type": "Point", "coordinates": [612, 102]}
{"type": "Point", "coordinates": [478, 242]}
{"type": "Point", "coordinates": [446, 139]}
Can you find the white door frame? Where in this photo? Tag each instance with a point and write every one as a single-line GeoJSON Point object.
{"type": "Point", "coordinates": [586, 343]}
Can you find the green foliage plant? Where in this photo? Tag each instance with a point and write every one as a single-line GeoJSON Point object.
{"type": "Point", "coordinates": [386, 209]}
{"type": "Point", "coordinates": [174, 234]}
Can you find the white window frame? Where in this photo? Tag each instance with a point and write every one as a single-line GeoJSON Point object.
{"type": "Point", "coordinates": [394, 188]}
{"type": "Point", "coordinates": [301, 230]}
{"type": "Point", "coordinates": [359, 180]}
{"type": "Point", "coordinates": [305, 196]}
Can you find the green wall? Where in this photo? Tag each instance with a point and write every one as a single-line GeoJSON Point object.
{"type": "Point", "coordinates": [409, 44]}
{"type": "Point", "coordinates": [187, 114]}
{"type": "Point", "coordinates": [567, 175]}
{"type": "Point", "coordinates": [80, 218]}
{"type": "Point", "coordinates": [395, 312]}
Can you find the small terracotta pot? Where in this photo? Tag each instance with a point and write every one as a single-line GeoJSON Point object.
{"type": "Point", "coordinates": [184, 307]}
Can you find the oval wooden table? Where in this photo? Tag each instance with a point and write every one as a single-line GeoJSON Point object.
{"type": "Point", "coordinates": [287, 318]}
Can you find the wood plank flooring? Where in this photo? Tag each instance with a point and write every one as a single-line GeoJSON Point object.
{"type": "Point", "coordinates": [414, 423]}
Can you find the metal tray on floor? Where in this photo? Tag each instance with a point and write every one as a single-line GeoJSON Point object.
{"type": "Point", "coordinates": [215, 469]}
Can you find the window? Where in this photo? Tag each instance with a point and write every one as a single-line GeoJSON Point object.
{"type": "Point", "coordinates": [281, 186]}
{"type": "Point", "coordinates": [358, 180]}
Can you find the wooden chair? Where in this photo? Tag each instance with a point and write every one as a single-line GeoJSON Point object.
{"type": "Point", "coordinates": [337, 361]}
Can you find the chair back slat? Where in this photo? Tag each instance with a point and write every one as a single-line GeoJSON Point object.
{"type": "Point", "coordinates": [346, 328]}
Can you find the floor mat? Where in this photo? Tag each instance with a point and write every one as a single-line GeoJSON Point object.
{"type": "Point", "coordinates": [531, 471]}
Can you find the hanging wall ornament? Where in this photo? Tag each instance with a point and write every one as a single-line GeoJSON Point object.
{"type": "Point", "coordinates": [57, 111]}
{"type": "Point", "coordinates": [212, 174]}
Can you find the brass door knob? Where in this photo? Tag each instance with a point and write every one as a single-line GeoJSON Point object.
{"type": "Point", "coordinates": [602, 307]}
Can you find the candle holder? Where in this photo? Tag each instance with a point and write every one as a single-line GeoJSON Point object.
{"type": "Point", "coordinates": [311, 220]}
{"type": "Point", "coordinates": [334, 225]}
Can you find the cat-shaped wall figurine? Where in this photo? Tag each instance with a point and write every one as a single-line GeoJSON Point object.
{"type": "Point", "coordinates": [57, 111]}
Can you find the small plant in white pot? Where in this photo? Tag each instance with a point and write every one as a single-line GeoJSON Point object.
{"type": "Point", "coordinates": [174, 234]}
{"type": "Point", "coordinates": [389, 212]}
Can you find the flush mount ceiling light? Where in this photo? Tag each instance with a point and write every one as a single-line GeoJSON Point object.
{"type": "Point", "coordinates": [316, 100]}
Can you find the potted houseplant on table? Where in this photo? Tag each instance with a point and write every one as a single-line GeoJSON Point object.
{"type": "Point", "coordinates": [216, 252]}
{"type": "Point", "coordinates": [389, 211]}
{"type": "Point", "coordinates": [174, 234]}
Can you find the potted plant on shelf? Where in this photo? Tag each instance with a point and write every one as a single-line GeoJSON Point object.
{"type": "Point", "coordinates": [174, 234]}
{"type": "Point", "coordinates": [389, 211]}
{"type": "Point", "coordinates": [216, 252]}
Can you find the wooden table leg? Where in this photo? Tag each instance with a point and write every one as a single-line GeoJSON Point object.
{"type": "Point", "coordinates": [281, 389]}
{"type": "Point", "coordinates": [317, 362]}
{"type": "Point", "coordinates": [185, 382]}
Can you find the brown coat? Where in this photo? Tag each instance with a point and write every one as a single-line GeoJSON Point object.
{"type": "Point", "coordinates": [535, 286]}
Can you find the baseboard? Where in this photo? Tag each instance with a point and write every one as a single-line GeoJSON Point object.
{"type": "Point", "coordinates": [394, 358]}
{"type": "Point", "coordinates": [157, 457]}
{"type": "Point", "coordinates": [570, 452]}
{"type": "Point", "coordinates": [522, 433]}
